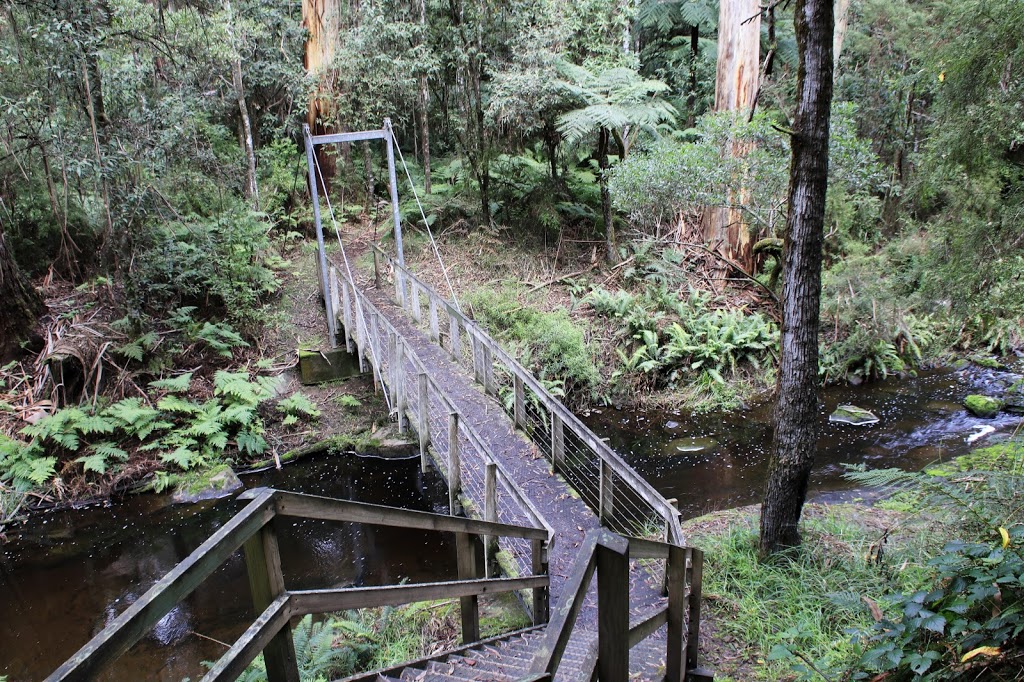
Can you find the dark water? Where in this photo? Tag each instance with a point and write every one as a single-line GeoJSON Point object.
{"type": "Point", "coordinates": [718, 461]}
{"type": "Point", "coordinates": [65, 575]}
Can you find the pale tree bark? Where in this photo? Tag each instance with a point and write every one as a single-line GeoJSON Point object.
{"type": "Point", "coordinates": [424, 103]}
{"type": "Point", "coordinates": [21, 304]}
{"type": "Point", "coordinates": [842, 14]}
{"type": "Point", "coordinates": [322, 20]}
{"type": "Point", "coordinates": [796, 407]}
{"type": "Point", "coordinates": [739, 61]}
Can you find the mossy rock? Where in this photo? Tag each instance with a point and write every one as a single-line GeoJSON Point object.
{"type": "Point", "coordinates": [983, 405]}
{"type": "Point", "coordinates": [208, 484]}
{"type": "Point", "coordinates": [851, 414]}
{"type": "Point", "coordinates": [986, 362]}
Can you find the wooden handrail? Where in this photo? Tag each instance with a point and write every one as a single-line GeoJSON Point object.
{"type": "Point", "coordinates": [637, 483]}
{"type": "Point", "coordinates": [330, 509]}
{"type": "Point", "coordinates": [604, 550]}
{"type": "Point", "coordinates": [250, 527]}
{"type": "Point", "coordinates": [129, 627]}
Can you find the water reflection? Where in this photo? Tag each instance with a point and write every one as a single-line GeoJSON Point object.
{"type": "Point", "coordinates": [717, 461]}
{"type": "Point", "coordinates": [68, 574]}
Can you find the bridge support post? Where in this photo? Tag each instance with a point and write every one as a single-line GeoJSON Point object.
{"type": "Point", "coordinates": [468, 570]}
{"type": "Point", "coordinates": [607, 511]}
{"type": "Point", "coordinates": [519, 404]}
{"type": "Point", "coordinates": [424, 419]}
{"type": "Point", "coordinates": [541, 597]}
{"type": "Point", "coordinates": [613, 610]}
{"type": "Point", "coordinates": [454, 465]}
{"type": "Point", "coordinates": [557, 443]}
{"type": "Point", "coordinates": [266, 582]}
{"type": "Point", "coordinates": [321, 251]}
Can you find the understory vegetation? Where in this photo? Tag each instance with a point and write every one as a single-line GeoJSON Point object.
{"type": "Point", "coordinates": [926, 586]}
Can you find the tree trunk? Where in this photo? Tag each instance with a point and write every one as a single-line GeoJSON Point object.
{"type": "Point", "coordinates": [21, 304]}
{"type": "Point", "coordinates": [842, 10]}
{"type": "Point", "coordinates": [322, 20]}
{"type": "Point", "coordinates": [251, 189]}
{"type": "Point", "coordinates": [691, 98]}
{"type": "Point", "coordinates": [796, 407]}
{"type": "Point", "coordinates": [424, 102]}
{"type": "Point", "coordinates": [604, 138]}
{"type": "Point", "coordinates": [739, 61]}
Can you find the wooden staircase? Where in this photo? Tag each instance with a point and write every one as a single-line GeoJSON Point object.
{"type": "Point", "coordinates": [502, 659]}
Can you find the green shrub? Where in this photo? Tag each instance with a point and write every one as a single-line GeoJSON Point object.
{"type": "Point", "coordinates": [549, 342]}
{"type": "Point", "coordinates": [221, 265]}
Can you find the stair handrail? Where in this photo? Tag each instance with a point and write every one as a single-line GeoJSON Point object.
{"type": "Point", "coordinates": [647, 492]}
{"type": "Point", "coordinates": [608, 554]}
{"type": "Point", "coordinates": [252, 528]}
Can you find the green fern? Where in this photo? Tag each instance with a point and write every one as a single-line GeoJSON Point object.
{"type": "Point", "coordinates": [298, 405]}
{"type": "Point", "coordinates": [178, 384]}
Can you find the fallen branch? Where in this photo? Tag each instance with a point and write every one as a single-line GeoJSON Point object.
{"type": "Point", "coordinates": [733, 264]}
{"type": "Point", "coordinates": [563, 278]}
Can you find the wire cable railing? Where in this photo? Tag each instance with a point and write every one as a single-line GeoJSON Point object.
{"type": "Point", "coordinates": [623, 499]}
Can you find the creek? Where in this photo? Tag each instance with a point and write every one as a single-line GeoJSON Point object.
{"type": "Point", "coordinates": [64, 575]}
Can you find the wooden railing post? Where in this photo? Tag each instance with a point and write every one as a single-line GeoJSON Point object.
{"type": "Point", "coordinates": [375, 351]}
{"type": "Point", "coordinates": [400, 385]}
{"type": "Point", "coordinates": [487, 361]}
{"type": "Point", "coordinates": [607, 496]}
{"type": "Point", "coordinates": [346, 314]}
{"type": "Point", "coordinates": [266, 582]}
{"type": "Point", "coordinates": [332, 328]}
{"type": "Point", "coordinates": [360, 333]}
{"type": "Point", "coordinates": [519, 401]}
{"type": "Point", "coordinates": [541, 598]}
{"type": "Point", "coordinates": [675, 655]}
{"type": "Point", "coordinates": [693, 608]}
{"type": "Point", "coordinates": [490, 514]}
{"type": "Point", "coordinates": [454, 465]}
{"type": "Point", "coordinates": [376, 269]}
{"type": "Point", "coordinates": [557, 443]}
{"type": "Point", "coordinates": [435, 332]}
{"type": "Point", "coordinates": [454, 341]}
{"type": "Point", "coordinates": [468, 570]}
{"type": "Point", "coordinates": [474, 347]}
{"type": "Point", "coordinates": [613, 610]}
{"type": "Point", "coordinates": [417, 312]}
{"type": "Point", "coordinates": [399, 287]}
{"type": "Point", "coordinates": [424, 421]}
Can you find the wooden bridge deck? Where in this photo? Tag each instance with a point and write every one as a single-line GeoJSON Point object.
{"type": "Point", "coordinates": [561, 506]}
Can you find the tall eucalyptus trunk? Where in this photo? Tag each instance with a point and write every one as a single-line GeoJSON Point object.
{"type": "Point", "coordinates": [796, 407]}
{"type": "Point", "coordinates": [322, 20]}
{"type": "Point", "coordinates": [739, 61]}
